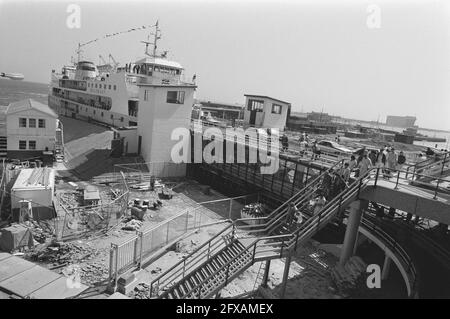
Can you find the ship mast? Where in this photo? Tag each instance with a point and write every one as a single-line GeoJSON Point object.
{"type": "Point", "coordinates": [156, 37]}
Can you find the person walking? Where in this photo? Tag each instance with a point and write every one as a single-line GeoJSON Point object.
{"type": "Point", "coordinates": [391, 161]}
{"type": "Point", "coordinates": [319, 203]}
{"type": "Point", "coordinates": [364, 165]}
{"type": "Point", "coordinates": [401, 159]}
{"type": "Point", "coordinates": [290, 214]}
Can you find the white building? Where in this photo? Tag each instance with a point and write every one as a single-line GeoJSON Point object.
{"type": "Point", "coordinates": [162, 109]}
{"type": "Point", "coordinates": [36, 186]}
{"type": "Point", "coordinates": [266, 112]}
{"type": "Point", "coordinates": [30, 129]}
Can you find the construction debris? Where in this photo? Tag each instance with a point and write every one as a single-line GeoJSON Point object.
{"type": "Point", "coordinates": [141, 291]}
{"type": "Point", "coordinates": [133, 224]}
{"type": "Point", "coordinates": [349, 277]}
{"type": "Point", "coordinates": [59, 253]}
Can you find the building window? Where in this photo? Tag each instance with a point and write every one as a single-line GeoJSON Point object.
{"type": "Point", "coordinates": [22, 145]}
{"type": "Point", "coordinates": [176, 97]}
{"type": "Point", "coordinates": [112, 116]}
{"type": "Point", "coordinates": [41, 123]}
{"type": "Point", "coordinates": [95, 85]}
{"type": "Point", "coordinates": [104, 86]}
{"type": "Point", "coordinates": [31, 122]}
{"type": "Point", "coordinates": [276, 109]}
{"type": "Point", "coordinates": [109, 87]}
{"type": "Point", "coordinates": [102, 114]}
{"type": "Point", "coordinates": [94, 112]}
{"type": "Point", "coordinates": [31, 145]}
{"type": "Point", "coordinates": [115, 87]}
{"type": "Point", "coordinates": [145, 95]}
{"type": "Point", "coordinates": [255, 105]}
{"type": "Point", "coordinates": [121, 119]}
{"type": "Point", "coordinates": [22, 122]}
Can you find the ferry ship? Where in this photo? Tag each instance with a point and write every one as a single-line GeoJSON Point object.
{"type": "Point", "coordinates": [109, 93]}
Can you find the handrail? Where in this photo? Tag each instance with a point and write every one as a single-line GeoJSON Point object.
{"type": "Point", "coordinates": [397, 250]}
{"type": "Point", "coordinates": [228, 263]}
{"type": "Point", "coordinates": [290, 240]}
{"type": "Point", "coordinates": [234, 224]}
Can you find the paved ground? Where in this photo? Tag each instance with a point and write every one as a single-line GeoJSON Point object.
{"type": "Point", "coordinates": [28, 280]}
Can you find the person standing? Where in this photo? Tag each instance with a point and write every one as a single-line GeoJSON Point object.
{"type": "Point", "coordinates": [291, 214]}
{"type": "Point", "coordinates": [401, 159]}
{"type": "Point", "coordinates": [346, 173]}
{"type": "Point", "coordinates": [364, 165]}
{"type": "Point", "coordinates": [352, 164]}
{"type": "Point", "coordinates": [391, 160]}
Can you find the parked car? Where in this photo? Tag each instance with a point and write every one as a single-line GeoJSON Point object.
{"type": "Point", "coordinates": [330, 147]}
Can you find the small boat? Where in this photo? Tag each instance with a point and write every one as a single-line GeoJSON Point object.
{"type": "Point", "coordinates": [12, 76]}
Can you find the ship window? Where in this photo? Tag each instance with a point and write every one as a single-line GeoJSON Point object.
{"type": "Point", "coordinates": [41, 123]}
{"type": "Point", "coordinates": [276, 109]}
{"type": "Point", "coordinates": [176, 97]}
{"type": "Point", "coordinates": [31, 122]}
{"type": "Point", "coordinates": [22, 145]}
{"type": "Point", "coordinates": [22, 122]}
{"type": "Point", "coordinates": [31, 145]}
{"type": "Point", "coordinates": [115, 87]}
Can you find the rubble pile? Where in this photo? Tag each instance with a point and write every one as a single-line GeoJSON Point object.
{"type": "Point", "coordinates": [93, 273]}
{"type": "Point", "coordinates": [63, 253]}
{"type": "Point", "coordinates": [41, 231]}
{"type": "Point", "coordinates": [349, 277]}
{"type": "Point", "coordinates": [70, 199]}
{"type": "Point", "coordinates": [132, 224]}
{"type": "Point", "coordinates": [141, 291]}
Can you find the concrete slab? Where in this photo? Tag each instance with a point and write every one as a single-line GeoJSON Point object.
{"type": "Point", "coordinates": [4, 256]}
{"type": "Point", "coordinates": [29, 280]}
{"type": "Point", "coordinates": [118, 295]}
{"type": "Point", "coordinates": [58, 289]}
{"type": "Point", "coordinates": [12, 266]}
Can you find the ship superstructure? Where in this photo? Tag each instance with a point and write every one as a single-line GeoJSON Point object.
{"type": "Point", "coordinates": [109, 93]}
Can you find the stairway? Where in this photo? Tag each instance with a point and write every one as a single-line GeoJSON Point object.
{"type": "Point", "coordinates": [263, 241]}
{"type": "Point", "coordinates": [212, 275]}
{"type": "Point", "coordinates": [3, 146]}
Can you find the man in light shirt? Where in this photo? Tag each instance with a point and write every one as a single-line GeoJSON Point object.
{"type": "Point", "coordinates": [364, 165]}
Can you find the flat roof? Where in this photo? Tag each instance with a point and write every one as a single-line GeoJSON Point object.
{"type": "Point", "coordinates": [267, 97]}
{"type": "Point", "coordinates": [35, 178]}
{"type": "Point", "coordinates": [91, 193]}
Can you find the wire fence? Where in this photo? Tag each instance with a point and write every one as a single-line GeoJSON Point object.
{"type": "Point", "coordinates": [146, 242]}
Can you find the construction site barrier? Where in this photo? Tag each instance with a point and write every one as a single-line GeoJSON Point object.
{"type": "Point", "coordinates": [135, 249]}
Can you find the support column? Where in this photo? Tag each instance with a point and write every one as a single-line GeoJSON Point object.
{"type": "Point", "coordinates": [386, 267]}
{"type": "Point", "coordinates": [287, 265]}
{"type": "Point", "coordinates": [353, 221]}
{"type": "Point", "coordinates": [266, 274]}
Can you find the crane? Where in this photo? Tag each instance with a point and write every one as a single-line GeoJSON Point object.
{"type": "Point", "coordinates": [102, 60]}
{"type": "Point", "coordinates": [114, 61]}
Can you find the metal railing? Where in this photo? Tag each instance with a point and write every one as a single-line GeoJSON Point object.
{"type": "Point", "coordinates": [263, 248]}
{"type": "Point", "coordinates": [407, 263]}
{"type": "Point", "coordinates": [132, 251]}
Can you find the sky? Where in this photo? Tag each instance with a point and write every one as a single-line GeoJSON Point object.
{"type": "Point", "coordinates": [340, 57]}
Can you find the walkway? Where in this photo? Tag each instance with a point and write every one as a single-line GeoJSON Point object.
{"type": "Point", "coordinates": [25, 279]}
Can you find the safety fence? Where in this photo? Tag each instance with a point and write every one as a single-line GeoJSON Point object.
{"type": "Point", "coordinates": [79, 221]}
{"type": "Point", "coordinates": [135, 249]}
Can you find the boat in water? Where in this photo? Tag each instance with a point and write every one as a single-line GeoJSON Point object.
{"type": "Point", "coordinates": [12, 76]}
{"type": "Point", "coordinates": [109, 93]}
